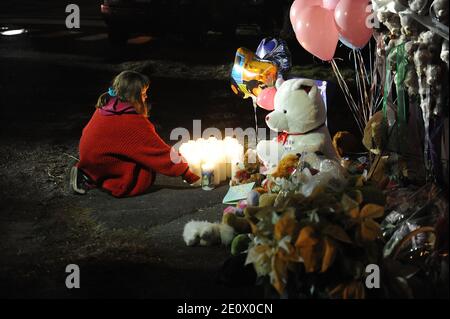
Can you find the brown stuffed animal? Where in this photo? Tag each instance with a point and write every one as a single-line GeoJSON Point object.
{"type": "Point", "coordinates": [373, 133]}
{"type": "Point", "coordinates": [345, 143]}
{"type": "Point", "coordinates": [373, 141]}
{"type": "Point", "coordinates": [251, 162]}
{"type": "Point", "coordinates": [286, 166]}
{"type": "Point", "coordinates": [250, 172]}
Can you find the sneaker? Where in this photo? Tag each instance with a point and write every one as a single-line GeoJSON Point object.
{"type": "Point", "coordinates": [79, 182]}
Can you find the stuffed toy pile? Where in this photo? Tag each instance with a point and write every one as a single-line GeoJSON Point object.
{"type": "Point", "coordinates": [299, 116]}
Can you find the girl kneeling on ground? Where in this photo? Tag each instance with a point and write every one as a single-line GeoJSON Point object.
{"type": "Point", "coordinates": [120, 150]}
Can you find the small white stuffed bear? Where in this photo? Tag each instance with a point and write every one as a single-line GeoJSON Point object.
{"type": "Point", "coordinates": [299, 116]}
{"type": "Point", "coordinates": [204, 233]}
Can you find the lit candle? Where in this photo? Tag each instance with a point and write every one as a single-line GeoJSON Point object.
{"type": "Point", "coordinates": [222, 160]}
{"type": "Point", "coordinates": [224, 157]}
{"type": "Point", "coordinates": [227, 145]}
{"type": "Point", "coordinates": [201, 146]}
{"type": "Point", "coordinates": [231, 145]}
{"type": "Point", "coordinates": [212, 157]}
{"type": "Point", "coordinates": [192, 156]}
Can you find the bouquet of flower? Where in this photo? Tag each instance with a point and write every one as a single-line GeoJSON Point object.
{"type": "Point", "coordinates": [320, 234]}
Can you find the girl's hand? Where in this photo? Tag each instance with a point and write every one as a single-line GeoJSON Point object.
{"type": "Point", "coordinates": [190, 177]}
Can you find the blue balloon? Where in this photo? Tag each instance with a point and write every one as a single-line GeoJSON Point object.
{"type": "Point", "coordinates": [347, 43]}
{"type": "Point", "coordinates": [276, 51]}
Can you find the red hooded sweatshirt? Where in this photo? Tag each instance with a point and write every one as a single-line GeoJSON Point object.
{"type": "Point", "coordinates": [121, 151]}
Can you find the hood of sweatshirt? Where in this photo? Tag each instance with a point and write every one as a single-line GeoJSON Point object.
{"type": "Point", "coordinates": [117, 107]}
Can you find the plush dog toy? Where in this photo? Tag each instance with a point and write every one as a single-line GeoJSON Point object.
{"type": "Point", "coordinates": [299, 116]}
{"type": "Point", "coordinates": [204, 233]}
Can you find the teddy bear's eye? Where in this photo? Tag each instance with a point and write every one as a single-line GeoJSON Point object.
{"type": "Point", "coordinates": [284, 111]}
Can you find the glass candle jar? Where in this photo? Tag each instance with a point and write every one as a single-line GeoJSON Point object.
{"type": "Point", "coordinates": [207, 176]}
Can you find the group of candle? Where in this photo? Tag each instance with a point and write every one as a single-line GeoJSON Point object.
{"type": "Point", "coordinates": [219, 157]}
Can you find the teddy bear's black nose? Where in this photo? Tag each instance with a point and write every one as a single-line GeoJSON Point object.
{"type": "Point", "coordinates": [267, 117]}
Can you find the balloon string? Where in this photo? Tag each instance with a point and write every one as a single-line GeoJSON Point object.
{"type": "Point", "coordinates": [369, 93]}
{"type": "Point", "coordinates": [363, 66]}
{"type": "Point", "coordinates": [366, 84]}
{"type": "Point", "coordinates": [363, 79]}
{"type": "Point", "coordinates": [255, 106]}
{"type": "Point", "coordinates": [358, 87]}
{"type": "Point", "coordinates": [348, 96]}
{"type": "Point", "coordinates": [370, 61]}
{"type": "Point", "coordinates": [426, 116]}
{"type": "Point", "coordinates": [379, 74]}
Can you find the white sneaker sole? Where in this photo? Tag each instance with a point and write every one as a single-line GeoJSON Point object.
{"type": "Point", "coordinates": [73, 181]}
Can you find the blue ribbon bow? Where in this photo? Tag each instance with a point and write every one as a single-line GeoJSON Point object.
{"type": "Point", "coordinates": [112, 92]}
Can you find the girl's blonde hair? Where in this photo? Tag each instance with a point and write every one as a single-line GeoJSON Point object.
{"type": "Point", "coordinates": [128, 86]}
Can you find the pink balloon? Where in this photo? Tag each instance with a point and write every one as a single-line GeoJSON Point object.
{"type": "Point", "coordinates": [352, 20]}
{"type": "Point", "coordinates": [266, 98]}
{"type": "Point", "coordinates": [316, 32]}
{"type": "Point", "coordinates": [299, 5]}
{"type": "Point", "coordinates": [330, 4]}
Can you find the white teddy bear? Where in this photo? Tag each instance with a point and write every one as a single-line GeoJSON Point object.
{"type": "Point", "coordinates": [204, 233]}
{"type": "Point", "coordinates": [299, 116]}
